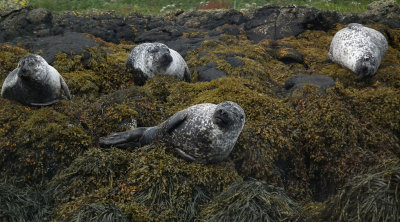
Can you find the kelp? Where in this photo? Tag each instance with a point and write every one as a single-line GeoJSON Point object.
{"type": "Point", "coordinates": [251, 201]}
{"type": "Point", "coordinates": [24, 204]}
{"type": "Point", "coordinates": [373, 196]}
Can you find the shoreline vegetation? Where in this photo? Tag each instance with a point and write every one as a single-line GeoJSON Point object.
{"type": "Point", "coordinates": [157, 7]}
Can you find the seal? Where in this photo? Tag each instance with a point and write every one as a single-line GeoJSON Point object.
{"type": "Point", "coordinates": [34, 83]}
{"type": "Point", "coordinates": [359, 49]}
{"type": "Point", "coordinates": [150, 59]}
{"type": "Point", "coordinates": [203, 133]}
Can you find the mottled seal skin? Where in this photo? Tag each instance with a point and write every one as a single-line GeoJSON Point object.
{"type": "Point", "coordinates": [34, 83]}
{"type": "Point", "coordinates": [359, 49]}
{"type": "Point", "coordinates": [150, 59]}
{"type": "Point", "coordinates": [203, 133]}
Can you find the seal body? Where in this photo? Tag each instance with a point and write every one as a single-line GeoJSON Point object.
{"type": "Point", "coordinates": [203, 133]}
{"type": "Point", "coordinates": [359, 49]}
{"type": "Point", "coordinates": [35, 83]}
{"type": "Point", "coordinates": [151, 59]}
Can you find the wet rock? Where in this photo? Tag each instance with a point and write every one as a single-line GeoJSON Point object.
{"type": "Point", "coordinates": [234, 61]}
{"type": "Point", "coordinates": [39, 15]}
{"type": "Point", "coordinates": [161, 34]}
{"type": "Point", "coordinates": [107, 26]}
{"type": "Point", "coordinates": [71, 43]}
{"type": "Point", "coordinates": [274, 22]}
{"type": "Point", "coordinates": [383, 12]}
{"type": "Point", "coordinates": [209, 72]}
{"type": "Point", "coordinates": [297, 82]}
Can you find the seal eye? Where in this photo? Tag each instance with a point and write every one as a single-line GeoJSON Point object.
{"type": "Point", "coordinates": [153, 50]}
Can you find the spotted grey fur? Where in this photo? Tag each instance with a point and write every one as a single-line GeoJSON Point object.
{"type": "Point", "coordinates": [150, 59]}
{"type": "Point", "coordinates": [203, 133]}
{"type": "Point", "coordinates": [359, 49]}
{"type": "Point", "coordinates": [34, 83]}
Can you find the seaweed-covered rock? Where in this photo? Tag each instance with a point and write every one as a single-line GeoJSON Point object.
{"type": "Point", "coordinates": [373, 196]}
{"type": "Point", "coordinates": [26, 204]}
{"type": "Point", "coordinates": [209, 72]}
{"type": "Point", "coordinates": [251, 201]}
{"type": "Point", "coordinates": [296, 82]}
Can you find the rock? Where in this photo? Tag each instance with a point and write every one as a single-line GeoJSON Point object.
{"type": "Point", "coordinates": [297, 82]}
{"type": "Point", "coordinates": [274, 22]}
{"type": "Point", "coordinates": [209, 72]}
{"type": "Point", "coordinates": [105, 25]}
{"type": "Point", "coordinates": [234, 61]}
{"type": "Point", "coordinates": [384, 12]}
{"type": "Point", "coordinates": [71, 43]}
{"type": "Point", "coordinates": [40, 15]}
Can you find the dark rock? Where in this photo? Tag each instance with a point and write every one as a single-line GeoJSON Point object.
{"type": "Point", "coordinates": [209, 72]}
{"type": "Point", "coordinates": [161, 34]}
{"type": "Point", "coordinates": [107, 26]}
{"type": "Point", "coordinates": [38, 16]}
{"type": "Point", "coordinates": [71, 43]}
{"type": "Point", "coordinates": [383, 12]}
{"type": "Point", "coordinates": [234, 61]}
{"type": "Point", "coordinates": [210, 19]}
{"type": "Point", "coordinates": [297, 82]}
{"type": "Point", "coordinates": [289, 55]}
{"type": "Point", "coordinates": [274, 22]}
{"type": "Point", "coordinates": [202, 54]}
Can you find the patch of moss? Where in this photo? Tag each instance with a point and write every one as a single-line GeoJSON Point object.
{"type": "Point", "coordinates": [95, 71]}
{"type": "Point", "coordinates": [251, 201]}
{"type": "Point", "coordinates": [44, 143]}
{"type": "Point", "coordinates": [9, 58]}
{"type": "Point", "coordinates": [91, 171]}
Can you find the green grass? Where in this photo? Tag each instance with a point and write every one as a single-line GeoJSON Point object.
{"type": "Point", "coordinates": [155, 6]}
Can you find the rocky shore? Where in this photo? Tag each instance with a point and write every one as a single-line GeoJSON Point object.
{"type": "Point", "coordinates": [318, 143]}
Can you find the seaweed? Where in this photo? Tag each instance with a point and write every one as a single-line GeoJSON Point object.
{"type": "Point", "coordinates": [373, 196]}
{"type": "Point", "coordinates": [26, 204]}
{"type": "Point", "coordinates": [251, 201]}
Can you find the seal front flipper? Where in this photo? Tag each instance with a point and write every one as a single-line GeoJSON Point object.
{"type": "Point", "coordinates": [174, 121]}
{"type": "Point", "coordinates": [64, 87]}
{"type": "Point", "coordinates": [125, 139]}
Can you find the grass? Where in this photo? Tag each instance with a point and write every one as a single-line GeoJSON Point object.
{"type": "Point", "coordinates": [156, 7]}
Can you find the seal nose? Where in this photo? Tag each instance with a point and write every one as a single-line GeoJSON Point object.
{"type": "Point", "coordinates": [166, 59]}
{"type": "Point", "coordinates": [222, 112]}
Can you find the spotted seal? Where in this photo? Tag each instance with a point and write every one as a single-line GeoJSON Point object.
{"type": "Point", "coordinates": [203, 133]}
{"type": "Point", "coordinates": [150, 59]}
{"type": "Point", "coordinates": [359, 49]}
{"type": "Point", "coordinates": [34, 83]}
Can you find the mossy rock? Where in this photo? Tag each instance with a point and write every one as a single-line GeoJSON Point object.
{"type": "Point", "coordinates": [373, 196]}
{"type": "Point", "coordinates": [93, 170]}
{"type": "Point", "coordinates": [251, 201]}
{"type": "Point", "coordinates": [171, 188]}
{"type": "Point", "coordinates": [47, 142]}
{"type": "Point", "coordinates": [9, 58]}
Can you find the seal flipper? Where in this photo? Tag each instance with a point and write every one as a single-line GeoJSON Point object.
{"type": "Point", "coordinates": [125, 139]}
{"type": "Point", "coordinates": [65, 88]}
{"type": "Point", "coordinates": [45, 104]}
{"type": "Point", "coordinates": [186, 75]}
{"type": "Point", "coordinates": [174, 121]}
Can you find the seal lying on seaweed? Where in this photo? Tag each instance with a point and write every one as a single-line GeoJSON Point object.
{"type": "Point", "coordinates": [359, 49]}
{"type": "Point", "coordinates": [35, 83]}
{"type": "Point", "coordinates": [150, 59]}
{"type": "Point", "coordinates": [203, 133]}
